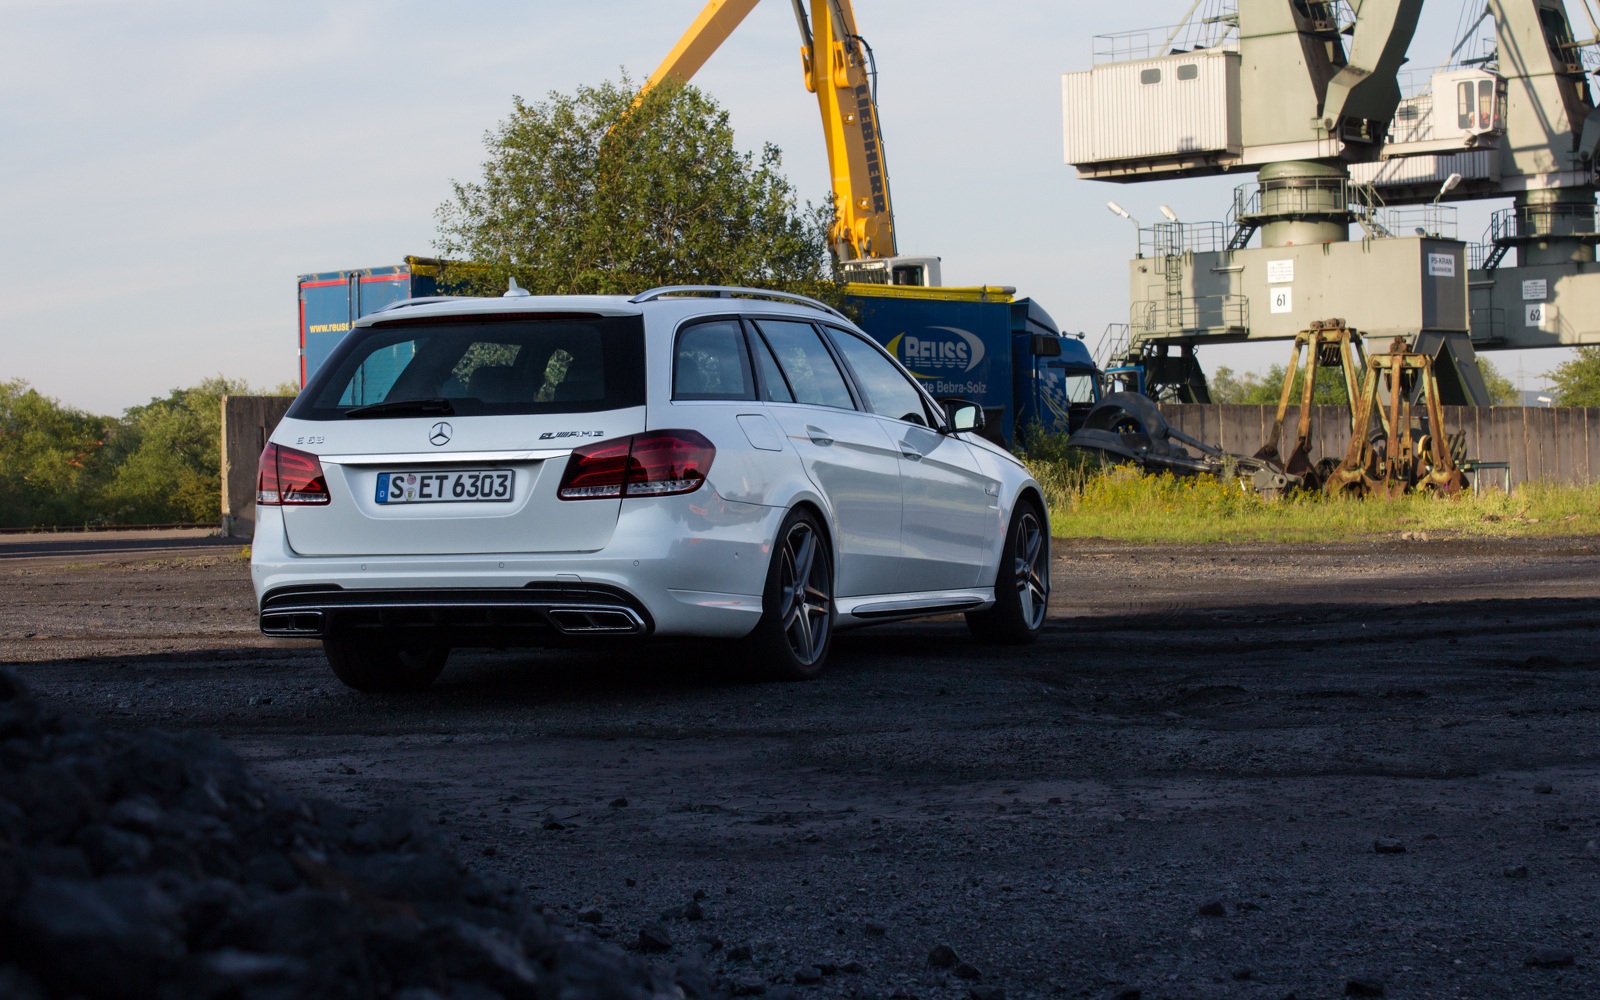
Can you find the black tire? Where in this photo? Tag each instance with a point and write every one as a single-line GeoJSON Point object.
{"type": "Point", "coordinates": [1022, 583]}
{"type": "Point", "coordinates": [792, 640]}
{"type": "Point", "coordinates": [377, 664]}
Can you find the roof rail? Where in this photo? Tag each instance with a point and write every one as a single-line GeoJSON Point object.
{"type": "Point", "coordinates": [421, 300]}
{"type": "Point", "coordinates": [728, 292]}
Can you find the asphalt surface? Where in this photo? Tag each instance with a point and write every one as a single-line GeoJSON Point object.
{"type": "Point", "coordinates": [1225, 771]}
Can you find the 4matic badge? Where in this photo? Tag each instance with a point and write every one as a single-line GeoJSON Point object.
{"type": "Point", "coordinates": [547, 435]}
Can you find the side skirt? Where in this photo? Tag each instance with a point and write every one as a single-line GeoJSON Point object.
{"type": "Point", "coordinates": [854, 612]}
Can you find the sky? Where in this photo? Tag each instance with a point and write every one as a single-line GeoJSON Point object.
{"type": "Point", "coordinates": [169, 167]}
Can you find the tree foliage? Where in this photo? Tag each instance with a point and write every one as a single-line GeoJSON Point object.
{"type": "Point", "coordinates": [1251, 387]}
{"type": "Point", "coordinates": [168, 464]}
{"type": "Point", "coordinates": [159, 463]}
{"type": "Point", "coordinates": [1265, 389]}
{"type": "Point", "coordinates": [581, 195]}
{"type": "Point", "coordinates": [1576, 382]}
{"type": "Point", "coordinates": [51, 457]}
{"type": "Point", "coordinates": [1502, 391]}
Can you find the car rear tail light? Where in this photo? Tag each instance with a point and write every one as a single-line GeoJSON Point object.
{"type": "Point", "coordinates": [654, 464]}
{"type": "Point", "coordinates": [288, 476]}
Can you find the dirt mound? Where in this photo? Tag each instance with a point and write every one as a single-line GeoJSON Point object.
{"type": "Point", "coordinates": [153, 864]}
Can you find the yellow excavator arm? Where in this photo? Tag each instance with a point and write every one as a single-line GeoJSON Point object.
{"type": "Point", "coordinates": [834, 60]}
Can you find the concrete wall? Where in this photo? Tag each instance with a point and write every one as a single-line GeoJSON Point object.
{"type": "Point", "coordinates": [1560, 444]}
{"type": "Point", "coordinates": [246, 423]}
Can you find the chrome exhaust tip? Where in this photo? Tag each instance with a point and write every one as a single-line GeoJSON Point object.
{"type": "Point", "coordinates": [298, 624]}
{"type": "Point", "coordinates": [596, 621]}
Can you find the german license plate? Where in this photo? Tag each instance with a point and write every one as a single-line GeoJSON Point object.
{"type": "Point", "coordinates": [460, 486]}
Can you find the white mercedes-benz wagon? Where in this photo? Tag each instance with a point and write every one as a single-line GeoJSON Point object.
{"type": "Point", "coordinates": [712, 462]}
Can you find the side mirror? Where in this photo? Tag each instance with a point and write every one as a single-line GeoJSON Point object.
{"type": "Point", "coordinates": [1044, 346]}
{"type": "Point", "coordinates": [963, 415]}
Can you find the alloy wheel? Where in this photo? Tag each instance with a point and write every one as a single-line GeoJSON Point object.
{"type": "Point", "coordinates": [1032, 570]}
{"type": "Point", "coordinates": [807, 592]}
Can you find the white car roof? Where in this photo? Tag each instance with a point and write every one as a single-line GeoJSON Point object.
{"type": "Point", "coordinates": [675, 300]}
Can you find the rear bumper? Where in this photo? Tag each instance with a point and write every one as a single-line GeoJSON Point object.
{"type": "Point", "coordinates": [483, 615]}
{"type": "Point", "coordinates": [682, 569]}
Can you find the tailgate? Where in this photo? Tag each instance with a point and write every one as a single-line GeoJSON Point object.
{"type": "Point", "coordinates": [522, 456]}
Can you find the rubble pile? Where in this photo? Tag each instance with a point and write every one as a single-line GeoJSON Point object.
{"type": "Point", "coordinates": [152, 864]}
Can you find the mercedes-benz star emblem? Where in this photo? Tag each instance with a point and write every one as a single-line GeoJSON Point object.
{"type": "Point", "coordinates": [439, 434]}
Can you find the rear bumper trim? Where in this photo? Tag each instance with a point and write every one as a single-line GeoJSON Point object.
{"type": "Point", "coordinates": [498, 614]}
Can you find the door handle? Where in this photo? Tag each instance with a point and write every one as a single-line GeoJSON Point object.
{"type": "Point", "coordinates": [818, 435]}
{"type": "Point", "coordinates": [909, 453]}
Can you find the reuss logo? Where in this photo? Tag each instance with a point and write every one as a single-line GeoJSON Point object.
{"type": "Point", "coordinates": [439, 434]}
{"type": "Point", "coordinates": [929, 353]}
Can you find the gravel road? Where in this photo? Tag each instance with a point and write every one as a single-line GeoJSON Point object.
{"type": "Point", "coordinates": [1225, 771]}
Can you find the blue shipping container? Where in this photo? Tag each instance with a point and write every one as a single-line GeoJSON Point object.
{"type": "Point", "coordinates": [333, 300]}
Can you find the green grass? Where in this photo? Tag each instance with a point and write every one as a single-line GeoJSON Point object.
{"type": "Point", "coordinates": [1130, 506]}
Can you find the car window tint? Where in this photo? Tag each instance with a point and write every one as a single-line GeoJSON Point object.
{"type": "Point", "coordinates": [812, 374]}
{"type": "Point", "coordinates": [773, 387]}
{"type": "Point", "coordinates": [371, 380]}
{"type": "Point", "coordinates": [502, 366]}
{"type": "Point", "coordinates": [889, 393]}
{"type": "Point", "coordinates": [710, 363]}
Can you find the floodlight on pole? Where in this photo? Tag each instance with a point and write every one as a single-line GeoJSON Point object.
{"type": "Point", "coordinates": [1169, 213]}
{"type": "Point", "coordinates": [1138, 229]}
{"type": "Point", "coordinates": [1448, 186]}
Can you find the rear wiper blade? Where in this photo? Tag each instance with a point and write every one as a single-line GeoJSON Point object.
{"type": "Point", "coordinates": [395, 407]}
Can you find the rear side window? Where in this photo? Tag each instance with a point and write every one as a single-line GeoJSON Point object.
{"type": "Point", "coordinates": [809, 369]}
{"type": "Point", "coordinates": [710, 362]}
{"type": "Point", "coordinates": [566, 364]}
{"type": "Point", "coordinates": [889, 393]}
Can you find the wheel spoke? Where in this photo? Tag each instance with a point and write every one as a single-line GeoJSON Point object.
{"type": "Point", "coordinates": [1032, 590]}
{"type": "Point", "coordinates": [805, 554]}
{"type": "Point", "coordinates": [806, 602]}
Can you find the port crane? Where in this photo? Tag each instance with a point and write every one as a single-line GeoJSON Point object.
{"type": "Point", "coordinates": [1350, 211]}
{"type": "Point", "coordinates": [837, 67]}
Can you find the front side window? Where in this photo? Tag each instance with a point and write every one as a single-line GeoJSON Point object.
{"type": "Point", "coordinates": [809, 369]}
{"type": "Point", "coordinates": [710, 362]}
{"type": "Point", "coordinates": [889, 393]}
{"type": "Point", "coordinates": [480, 366]}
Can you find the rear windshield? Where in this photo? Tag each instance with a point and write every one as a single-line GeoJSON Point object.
{"type": "Point", "coordinates": [566, 364]}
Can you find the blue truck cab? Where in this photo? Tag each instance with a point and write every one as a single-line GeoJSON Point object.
{"type": "Point", "coordinates": [982, 344]}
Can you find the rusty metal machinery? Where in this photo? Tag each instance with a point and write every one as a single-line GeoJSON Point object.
{"type": "Point", "coordinates": [1394, 457]}
{"type": "Point", "coordinates": [1327, 344]}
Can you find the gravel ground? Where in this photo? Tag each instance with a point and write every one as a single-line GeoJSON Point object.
{"type": "Point", "coordinates": [1225, 771]}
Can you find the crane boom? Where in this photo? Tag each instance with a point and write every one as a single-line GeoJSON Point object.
{"type": "Point", "coordinates": [833, 59]}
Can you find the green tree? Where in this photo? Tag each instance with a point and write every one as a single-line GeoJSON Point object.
{"type": "Point", "coordinates": [1501, 390]}
{"type": "Point", "coordinates": [1577, 381]}
{"type": "Point", "coordinates": [52, 458]}
{"type": "Point", "coordinates": [580, 194]}
{"type": "Point", "coordinates": [167, 455]}
{"type": "Point", "coordinates": [1264, 390]}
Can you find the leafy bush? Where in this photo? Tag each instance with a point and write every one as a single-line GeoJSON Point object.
{"type": "Point", "coordinates": [51, 458]}
{"type": "Point", "coordinates": [159, 463]}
